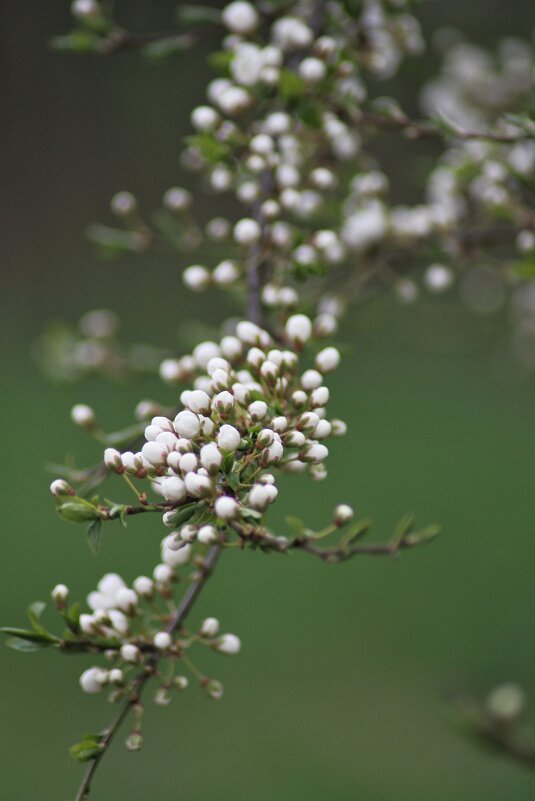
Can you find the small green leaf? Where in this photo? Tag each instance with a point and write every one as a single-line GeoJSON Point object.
{"type": "Point", "coordinates": [26, 646]}
{"type": "Point", "coordinates": [296, 524]}
{"type": "Point", "coordinates": [72, 617]}
{"type": "Point", "coordinates": [87, 749]}
{"type": "Point", "coordinates": [162, 49]}
{"type": "Point", "coordinates": [198, 15]}
{"type": "Point", "coordinates": [94, 535]}
{"type": "Point", "coordinates": [77, 510]}
{"type": "Point", "coordinates": [251, 514]}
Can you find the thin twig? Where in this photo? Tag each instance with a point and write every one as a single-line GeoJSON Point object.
{"type": "Point", "coordinates": [176, 621]}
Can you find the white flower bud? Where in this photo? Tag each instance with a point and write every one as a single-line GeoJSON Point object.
{"type": "Point", "coordinates": [163, 574]}
{"type": "Point", "coordinates": [261, 495]}
{"type": "Point", "coordinates": [207, 535]}
{"type": "Point", "coordinates": [265, 438]}
{"type": "Point", "coordinates": [298, 329]}
{"type": "Point", "coordinates": [173, 489]}
{"type": "Point", "coordinates": [83, 415]}
{"type": "Point", "coordinates": [198, 485]}
{"type": "Point", "coordinates": [269, 371]}
{"type": "Point", "coordinates": [187, 424]}
{"type": "Point", "coordinates": [247, 231]}
{"type": "Point", "coordinates": [258, 410]}
{"type": "Point", "coordinates": [205, 351]}
{"type": "Point", "coordinates": [177, 199]}
{"type": "Point", "coordinates": [319, 397]}
{"type": "Point", "coordinates": [226, 508]}
{"type": "Point", "coordinates": [144, 586]}
{"type": "Point", "coordinates": [240, 17]}
{"type": "Point", "coordinates": [155, 453]}
{"type": "Point", "coordinates": [93, 680]}
{"type": "Point", "coordinates": [316, 452]}
{"type": "Point", "coordinates": [223, 402]}
{"type": "Point", "coordinates": [60, 594]}
{"type": "Point", "coordinates": [87, 623]}
{"type": "Point", "coordinates": [211, 457]}
{"type": "Point", "coordinates": [311, 379]}
{"type": "Point", "coordinates": [188, 463]}
{"type": "Point", "coordinates": [229, 438]}
{"type": "Point", "coordinates": [85, 9]}
{"type": "Point", "coordinates": [204, 118]}
{"type": "Point", "coordinates": [322, 430]}
{"type": "Point", "coordinates": [343, 514]}
{"type": "Point", "coordinates": [438, 278]}
{"type": "Point", "coordinates": [295, 439]}
{"type": "Point", "coordinates": [233, 100]}
{"type": "Point", "coordinates": [312, 70]}
{"type": "Point", "coordinates": [210, 627]}
{"type": "Point", "coordinates": [328, 360]}
{"type": "Point", "coordinates": [113, 461]}
{"type": "Point", "coordinates": [196, 277]}
{"type": "Point", "coordinates": [274, 453]}
{"type": "Point", "coordinates": [226, 273]}
{"type": "Point", "coordinates": [116, 677]}
{"type": "Point", "coordinates": [110, 583]}
{"type": "Point", "coordinates": [126, 599]}
{"type": "Point", "coordinates": [291, 33]}
{"type": "Point", "coordinates": [130, 653]}
{"type": "Point", "coordinates": [231, 348]}
{"type": "Point", "coordinates": [228, 644]}
{"type": "Point", "coordinates": [162, 640]}
{"type": "Point", "coordinates": [61, 487]}
{"type": "Point", "coordinates": [339, 428]}
{"type": "Point", "coordinates": [118, 621]}
{"type": "Point", "coordinates": [199, 402]}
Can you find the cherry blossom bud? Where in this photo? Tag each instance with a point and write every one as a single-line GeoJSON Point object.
{"type": "Point", "coordinates": [173, 489]}
{"type": "Point", "coordinates": [319, 397]}
{"type": "Point", "coordinates": [199, 402]}
{"type": "Point", "coordinates": [228, 644]}
{"type": "Point", "coordinates": [240, 17]}
{"type": "Point", "coordinates": [343, 514]}
{"type": "Point", "coordinates": [226, 508]}
{"type": "Point", "coordinates": [187, 424]}
{"type": "Point", "coordinates": [261, 495]}
{"type": "Point", "coordinates": [298, 329]}
{"type": "Point", "coordinates": [177, 199]}
{"type": "Point", "coordinates": [308, 421]}
{"type": "Point", "coordinates": [163, 574]}
{"type": "Point", "coordinates": [316, 452]}
{"type": "Point", "coordinates": [85, 9]}
{"type": "Point", "coordinates": [116, 677]}
{"type": "Point", "coordinates": [93, 680]}
{"type": "Point", "coordinates": [247, 231]}
{"type": "Point", "coordinates": [438, 278]}
{"type": "Point", "coordinates": [61, 487]}
{"type": "Point", "coordinates": [60, 594]}
{"type": "Point", "coordinates": [257, 410]}
{"type": "Point", "coordinates": [265, 438]}
{"type": "Point", "coordinates": [322, 430]}
{"type": "Point", "coordinates": [231, 348]}
{"type": "Point", "coordinates": [144, 586]}
{"type": "Point", "coordinates": [84, 416]}
{"type": "Point", "coordinates": [123, 204]}
{"type": "Point", "coordinates": [204, 118]}
{"type": "Point", "coordinates": [113, 461]}
{"type": "Point", "coordinates": [339, 428]}
{"type": "Point", "coordinates": [223, 402]}
{"type": "Point", "coordinates": [226, 273]}
{"type": "Point", "coordinates": [229, 438]}
{"type": "Point", "coordinates": [198, 485]}
{"type": "Point", "coordinates": [311, 379]}
{"type": "Point", "coordinates": [126, 600]}
{"type": "Point", "coordinates": [211, 457]}
{"type": "Point", "coordinates": [162, 640]}
{"type": "Point", "coordinates": [327, 360]}
{"type": "Point", "coordinates": [155, 453]}
{"type": "Point", "coordinates": [295, 439]}
{"type": "Point", "coordinates": [130, 653]}
{"type": "Point", "coordinates": [273, 454]}
{"type": "Point", "coordinates": [207, 535]}
{"type": "Point", "coordinates": [210, 627]}
{"type": "Point", "coordinates": [312, 70]}
{"type": "Point", "coordinates": [196, 277]}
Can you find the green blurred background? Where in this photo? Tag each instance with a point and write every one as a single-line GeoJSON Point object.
{"type": "Point", "coordinates": [339, 691]}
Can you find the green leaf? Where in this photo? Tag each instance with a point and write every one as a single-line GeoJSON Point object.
{"type": "Point", "coordinates": [296, 524]}
{"type": "Point", "coordinates": [87, 749]}
{"type": "Point", "coordinates": [251, 514]}
{"type": "Point", "coordinates": [34, 613]}
{"type": "Point", "coordinates": [198, 15]}
{"type": "Point", "coordinates": [94, 535]}
{"type": "Point", "coordinates": [221, 61]}
{"type": "Point", "coordinates": [26, 646]}
{"type": "Point", "coordinates": [184, 513]}
{"type": "Point", "coordinates": [77, 510]}
{"type": "Point", "coordinates": [72, 617]}
{"type": "Point", "coordinates": [114, 241]}
{"type": "Point", "coordinates": [291, 86]}
{"type": "Point", "coordinates": [209, 147]}
{"type": "Point", "coordinates": [39, 638]}
{"type": "Point", "coordinates": [79, 41]}
{"type": "Point", "coordinates": [162, 49]}
{"type": "Point", "coordinates": [423, 536]}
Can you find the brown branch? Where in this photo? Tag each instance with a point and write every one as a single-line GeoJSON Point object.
{"type": "Point", "coordinates": [125, 40]}
{"type": "Point", "coordinates": [176, 621]}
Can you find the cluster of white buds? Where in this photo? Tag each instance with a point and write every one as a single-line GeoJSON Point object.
{"type": "Point", "coordinates": [251, 409]}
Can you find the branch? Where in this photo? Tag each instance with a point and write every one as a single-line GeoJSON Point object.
{"type": "Point", "coordinates": [125, 40]}
{"type": "Point", "coordinates": [176, 621]}
{"type": "Point", "coordinates": [396, 120]}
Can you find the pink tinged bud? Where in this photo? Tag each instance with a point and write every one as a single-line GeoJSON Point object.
{"type": "Point", "coordinates": [223, 402]}
{"type": "Point", "coordinates": [343, 514]}
{"type": "Point", "coordinates": [60, 487]}
{"type": "Point", "coordinates": [113, 461]}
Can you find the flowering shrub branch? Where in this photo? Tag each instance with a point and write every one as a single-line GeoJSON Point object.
{"type": "Point", "coordinates": [284, 132]}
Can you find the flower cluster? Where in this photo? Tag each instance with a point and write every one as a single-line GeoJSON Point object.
{"type": "Point", "coordinates": [251, 409]}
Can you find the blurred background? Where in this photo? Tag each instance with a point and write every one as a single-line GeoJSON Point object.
{"type": "Point", "coordinates": [339, 692]}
